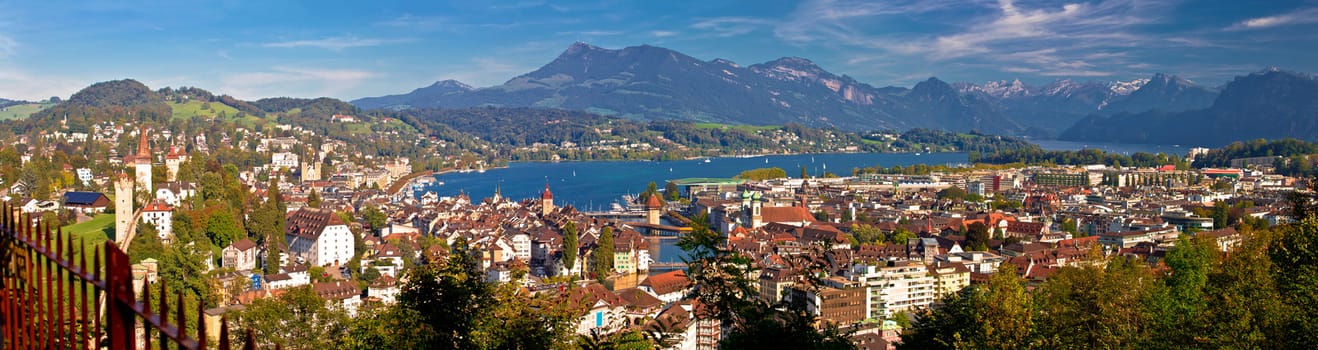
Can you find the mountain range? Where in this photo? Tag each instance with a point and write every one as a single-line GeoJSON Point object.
{"type": "Point", "coordinates": [648, 82]}
{"type": "Point", "coordinates": [1270, 104]}
{"type": "Point", "coordinates": [653, 83]}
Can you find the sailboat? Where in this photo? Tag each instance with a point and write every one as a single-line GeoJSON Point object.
{"type": "Point", "coordinates": [766, 160]}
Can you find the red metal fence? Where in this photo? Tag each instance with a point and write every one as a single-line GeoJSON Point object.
{"type": "Point", "coordinates": [53, 297]}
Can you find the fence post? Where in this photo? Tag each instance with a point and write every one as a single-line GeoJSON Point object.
{"type": "Point", "coordinates": [119, 285]}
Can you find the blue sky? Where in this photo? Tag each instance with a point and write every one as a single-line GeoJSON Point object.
{"type": "Point", "coordinates": [253, 49]}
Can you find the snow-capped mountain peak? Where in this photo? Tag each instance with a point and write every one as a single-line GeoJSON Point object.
{"type": "Point", "coordinates": [999, 89]}
{"type": "Point", "coordinates": [1123, 88]}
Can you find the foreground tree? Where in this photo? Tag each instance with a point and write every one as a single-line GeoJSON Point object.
{"type": "Point", "coordinates": [721, 281]}
{"type": "Point", "coordinates": [298, 319]}
{"type": "Point", "coordinates": [462, 311]}
{"type": "Point", "coordinates": [1295, 256]}
{"type": "Point", "coordinates": [995, 315]}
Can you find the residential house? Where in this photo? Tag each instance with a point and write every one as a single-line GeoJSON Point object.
{"type": "Point", "coordinates": [669, 286]}
{"type": "Point", "coordinates": [339, 294]}
{"type": "Point", "coordinates": [240, 255]}
{"type": "Point", "coordinates": [318, 237]}
{"type": "Point", "coordinates": [86, 202]}
{"type": "Point", "coordinates": [159, 215]}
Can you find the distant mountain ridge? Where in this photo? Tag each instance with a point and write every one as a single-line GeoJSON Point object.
{"type": "Point", "coordinates": [1271, 104]}
{"type": "Point", "coordinates": [648, 82]}
{"type": "Point", "coordinates": [8, 102]}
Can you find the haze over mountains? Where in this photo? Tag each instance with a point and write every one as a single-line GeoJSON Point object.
{"type": "Point", "coordinates": [647, 82]}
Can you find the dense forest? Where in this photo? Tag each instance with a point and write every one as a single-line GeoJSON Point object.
{"type": "Point", "coordinates": [1296, 158]}
{"type": "Point", "coordinates": [929, 140]}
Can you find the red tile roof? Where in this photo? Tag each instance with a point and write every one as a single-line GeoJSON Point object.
{"type": "Point", "coordinates": [786, 214]}
{"type": "Point", "coordinates": [243, 244]}
{"type": "Point", "coordinates": [667, 282]}
{"type": "Point", "coordinates": [310, 222]}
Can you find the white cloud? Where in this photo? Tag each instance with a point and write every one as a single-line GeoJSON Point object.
{"type": "Point", "coordinates": [662, 33]}
{"type": "Point", "coordinates": [1300, 16]}
{"type": "Point", "coordinates": [1083, 38]}
{"type": "Point", "coordinates": [19, 84]}
{"type": "Point", "coordinates": [8, 46]}
{"type": "Point", "coordinates": [726, 27]}
{"type": "Point", "coordinates": [591, 33]}
{"type": "Point", "coordinates": [335, 43]}
{"type": "Point", "coordinates": [293, 81]}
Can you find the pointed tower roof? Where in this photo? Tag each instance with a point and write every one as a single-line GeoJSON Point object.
{"type": "Point", "coordinates": [653, 202]}
{"type": "Point", "coordinates": [143, 150]}
{"type": "Point", "coordinates": [546, 194]}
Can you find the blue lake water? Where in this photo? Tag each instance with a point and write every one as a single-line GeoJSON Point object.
{"type": "Point", "coordinates": [594, 185]}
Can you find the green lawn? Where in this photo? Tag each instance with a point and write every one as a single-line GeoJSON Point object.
{"type": "Point", "coordinates": [92, 232]}
{"type": "Point", "coordinates": [193, 109]}
{"type": "Point", "coordinates": [20, 111]}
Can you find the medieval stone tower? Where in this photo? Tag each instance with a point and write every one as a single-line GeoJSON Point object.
{"type": "Point", "coordinates": [123, 207]}
{"type": "Point", "coordinates": [546, 201]}
{"type": "Point", "coordinates": [173, 160]}
{"type": "Point", "coordinates": [142, 161]}
{"type": "Point", "coordinates": [652, 209]}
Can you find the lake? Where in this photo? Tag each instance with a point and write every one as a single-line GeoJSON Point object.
{"type": "Point", "coordinates": [594, 185]}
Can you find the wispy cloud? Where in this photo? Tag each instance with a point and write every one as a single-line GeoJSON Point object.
{"type": "Point", "coordinates": [662, 33]}
{"type": "Point", "coordinates": [1045, 40]}
{"type": "Point", "coordinates": [335, 43]}
{"type": "Point", "coordinates": [593, 33]}
{"type": "Point", "coordinates": [1299, 16]}
{"type": "Point", "coordinates": [421, 23]}
{"type": "Point", "coordinates": [8, 46]}
{"type": "Point", "coordinates": [286, 81]}
{"type": "Point", "coordinates": [17, 83]}
{"type": "Point", "coordinates": [726, 27]}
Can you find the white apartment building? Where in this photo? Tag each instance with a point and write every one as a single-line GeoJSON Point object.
{"type": "Point", "coordinates": [318, 237]}
{"type": "Point", "coordinates": [895, 286]}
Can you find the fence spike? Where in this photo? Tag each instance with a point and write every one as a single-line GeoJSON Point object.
{"type": "Point", "coordinates": [49, 332]}
{"type": "Point", "coordinates": [251, 340]}
{"type": "Point", "coordinates": [182, 320]}
{"type": "Point", "coordinates": [146, 311]}
{"type": "Point", "coordinates": [224, 333]}
{"type": "Point", "coordinates": [60, 272]}
{"type": "Point", "coordinates": [82, 298]}
{"type": "Point", "coordinates": [201, 325]}
{"type": "Point", "coordinates": [164, 310]}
